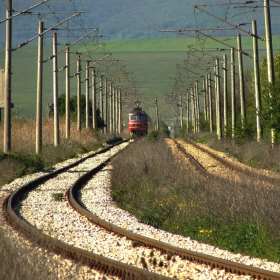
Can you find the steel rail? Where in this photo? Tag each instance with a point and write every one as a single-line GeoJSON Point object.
{"type": "Point", "coordinates": [201, 258]}
{"type": "Point", "coordinates": [98, 262]}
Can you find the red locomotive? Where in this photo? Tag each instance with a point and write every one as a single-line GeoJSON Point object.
{"type": "Point", "coordinates": [138, 122]}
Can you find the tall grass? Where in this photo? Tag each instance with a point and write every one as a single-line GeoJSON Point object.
{"type": "Point", "coordinates": [163, 192]}
{"type": "Point", "coordinates": [23, 262]}
{"type": "Point", "coordinates": [22, 160]}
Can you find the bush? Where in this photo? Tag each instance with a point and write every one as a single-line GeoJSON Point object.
{"type": "Point", "coordinates": [153, 136]}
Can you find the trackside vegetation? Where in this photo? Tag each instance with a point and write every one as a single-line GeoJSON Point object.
{"type": "Point", "coordinates": [164, 192]}
{"type": "Point", "coordinates": [22, 160]}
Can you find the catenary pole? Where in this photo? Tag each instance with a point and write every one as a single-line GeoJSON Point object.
{"type": "Point", "coordinates": [193, 109]}
{"type": "Point", "coordinates": [111, 119]}
{"type": "Point", "coordinates": [218, 102]}
{"type": "Point", "coordinates": [120, 112]}
{"type": "Point", "coordinates": [207, 98]}
{"type": "Point", "coordinates": [94, 117]}
{"type": "Point", "coordinates": [187, 111]}
{"type": "Point", "coordinates": [257, 81]}
{"type": "Point", "coordinates": [115, 110]}
{"type": "Point", "coordinates": [157, 120]}
{"type": "Point", "coordinates": [181, 110]}
{"type": "Point", "coordinates": [197, 105]}
{"type": "Point", "coordinates": [87, 94]}
{"type": "Point", "coordinates": [233, 102]}
{"type": "Point", "coordinates": [210, 102]}
{"type": "Point", "coordinates": [105, 105]}
{"type": "Point", "coordinates": [193, 104]}
{"type": "Point", "coordinates": [241, 82]}
{"type": "Point", "coordinates": [204, 99]}
{"type": "Point", "coordinates": [101, 99]}
{"type": "Point", "coordinates": [7, 94]}
{"type": "Point", "coordinates": [79, 122]}
{"type": "Point", "coordinates": [39, 90]}
{"type": "Point", "coordinates": [225, 94]}
{"type": "Point", "coordinates": [269, 55]}
{"type": "Point", "coordinates": [55, 92]}
{"type": "Point", "coordinates": [67, 94]}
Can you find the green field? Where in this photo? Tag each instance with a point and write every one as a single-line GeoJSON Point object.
{"type": "Point", "coordinates": [180, 44]}
{"type": "Point", "coordinates": [151, 62]}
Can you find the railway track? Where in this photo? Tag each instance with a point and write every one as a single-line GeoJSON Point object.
{"type": "Point", "coordinates": [220, 166]}
{"type": "Point", "coordinates": [169, 256]}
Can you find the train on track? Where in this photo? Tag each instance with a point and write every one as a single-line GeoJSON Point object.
{"type": "Point", "coordinates": [138, 122]}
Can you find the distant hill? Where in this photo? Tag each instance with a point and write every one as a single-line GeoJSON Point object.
{"type": "Point", "coordinates": [133, 19]}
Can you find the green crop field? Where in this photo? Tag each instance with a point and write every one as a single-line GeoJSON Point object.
{"type": "Point", "coordinates": [151, 62]}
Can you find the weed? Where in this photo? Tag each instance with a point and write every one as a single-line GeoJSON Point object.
{"type": "Point", "coordinates": [153, 136]}
{"type": "Point", "coordinates": [58, 196]}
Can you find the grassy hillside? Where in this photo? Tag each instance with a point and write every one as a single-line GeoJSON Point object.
{"type": "Point", "coordinates": [151, 61]}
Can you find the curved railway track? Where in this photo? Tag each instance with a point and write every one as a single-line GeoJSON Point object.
{"type": "Point", "coordinates": [109, 266]}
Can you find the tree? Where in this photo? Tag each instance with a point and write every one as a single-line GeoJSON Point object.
{"type": "Point", "coordinates": [73, 109]}
{"type": "Point", "coordinates": [270, 114]}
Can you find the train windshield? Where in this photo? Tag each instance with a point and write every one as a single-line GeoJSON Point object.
{"type": "Point", "coordinates": [133, 118]}
{"type": "Point", "coordinates": [142, 117]}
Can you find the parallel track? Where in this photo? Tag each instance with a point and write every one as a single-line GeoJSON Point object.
{"type": "Point", "coordinates": [252, 173]}
{"type": "Point", "coordinates": [238, 170]}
